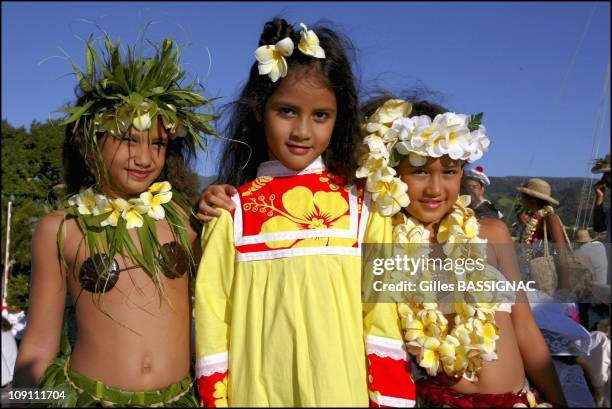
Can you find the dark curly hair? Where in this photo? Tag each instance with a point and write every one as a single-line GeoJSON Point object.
{"type": "Point", "coordinates": [83, 165]}
{"type": "Point", "coordinates": [340, 157]}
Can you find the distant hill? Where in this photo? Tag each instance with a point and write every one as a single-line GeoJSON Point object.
{"type": "Point", "coordinates": [566, 190]}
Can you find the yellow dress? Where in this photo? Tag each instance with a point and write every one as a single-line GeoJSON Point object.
{"type": "Point", "coordinates": [279, 319]}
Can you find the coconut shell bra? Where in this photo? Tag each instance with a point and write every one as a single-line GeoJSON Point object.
{"type": "Point", "coordinates": [100, 273]}
{"type": "Point", "coordinates": [106, 222]}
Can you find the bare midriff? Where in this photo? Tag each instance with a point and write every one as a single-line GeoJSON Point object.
{"type": "Point", "coordinates": [504, 375]}
{"type": "Point", "coordinates": [146, 343]}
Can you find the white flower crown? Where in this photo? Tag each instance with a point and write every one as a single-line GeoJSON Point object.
{"type": "Point", "coordinates": [271, 58]}
{"type": "Point", "coordinates": [392, 134]}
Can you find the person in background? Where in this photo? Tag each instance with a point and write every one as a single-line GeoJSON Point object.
{"type": "Point", "coordinates": [595, 251]}
{"type": "Point", "coordinates": [601, 221]}
{"type": "Point", "coordinates": [474, 182]}
{"type": "Point", "coordinates": [9, 353]}
{"type": "Point", "coordinates": [538, 204]}
{"type": "Point", "coordinates": [18, 320]}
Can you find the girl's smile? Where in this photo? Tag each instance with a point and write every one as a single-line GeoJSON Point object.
{"type": "Point", "coordinates": [297, 149]}
{"type": "Point", "coordinates": [432, 204]}
{"type": "Point", "coordinates": [433, 187]}
{"type": "Point", "coordinates": [139, 174]}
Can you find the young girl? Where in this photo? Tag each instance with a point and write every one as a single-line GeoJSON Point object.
{"type": "Point", "coordinates": [279, 319]}
{"type": "Point", "coordinates": [475, 354]}
{"type": "Point", "coordinates": [122, 246]}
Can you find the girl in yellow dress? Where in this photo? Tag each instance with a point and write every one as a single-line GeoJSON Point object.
{"type": "Point", "coordinates": [279, 318]}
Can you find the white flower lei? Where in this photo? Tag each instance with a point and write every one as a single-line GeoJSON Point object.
{"type": "Point", "coordinates": [150, 203]}
{"type": "Point", "coordinates": [391, 133]}
{"type": "Point", "coordinates": [472, 340]}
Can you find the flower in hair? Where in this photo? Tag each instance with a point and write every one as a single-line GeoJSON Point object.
{"type": "Point", "coordinates": [271, 58]}
{"type": "Point", "coordinates": [309, 43]}
{"type": "Point", "coordinates": [142, 120]}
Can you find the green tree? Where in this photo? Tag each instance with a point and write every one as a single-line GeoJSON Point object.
{"type": "Point", "coordinates": [31, 166]}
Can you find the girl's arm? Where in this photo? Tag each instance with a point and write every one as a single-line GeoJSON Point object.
{"type": "Point", "coordinates": [213, 309]}
{"type": "Point", "coordinates": [532, 346]}
{"type": "Point", "coordinates": [215, 195]}
{"type": "Point", "coordinates": [389, 367]}
{"type": "Point", "coordinates": [41, 341]}
{"type": "Point", "coordinates": [558, 238]}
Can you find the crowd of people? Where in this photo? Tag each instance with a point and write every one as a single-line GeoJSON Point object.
{"type": "Point", "coordinates": [250, 293]}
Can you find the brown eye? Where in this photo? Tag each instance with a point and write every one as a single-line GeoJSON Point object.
{"type": "Point", "coordinates": [286, 112]}
{"type": "Point", "coordinates": [321, 116]}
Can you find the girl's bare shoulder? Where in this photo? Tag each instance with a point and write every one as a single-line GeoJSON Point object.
{"type": "Point", "coordinates": [50, 223]}
{"type": "Point", "coordinates": [494, 230]}
{"type": "Point", "coordinates": [48, 226]}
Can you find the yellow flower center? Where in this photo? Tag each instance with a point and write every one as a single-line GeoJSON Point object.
{"type": "Point", "coordinates": [316, 223]}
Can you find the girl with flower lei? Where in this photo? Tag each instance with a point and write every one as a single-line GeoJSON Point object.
{"type": "Point", "coordinates": [413, 157]}
{"type": "Point", "coordinates": [122, 247]}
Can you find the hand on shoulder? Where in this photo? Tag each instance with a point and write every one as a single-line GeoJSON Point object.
{"type": "Point", "coordinates": [215, 195]}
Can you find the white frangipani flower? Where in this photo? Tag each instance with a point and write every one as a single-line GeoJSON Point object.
{"type": "Point", "coordinates": [142, 119]}
{"type": "Point", "coordinates": [309, 43]}
{"type": "Point", "coordinates": [271, 58]}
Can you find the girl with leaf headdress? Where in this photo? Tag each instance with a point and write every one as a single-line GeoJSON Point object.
{"type": "Point", "coordinates": [122, 247]}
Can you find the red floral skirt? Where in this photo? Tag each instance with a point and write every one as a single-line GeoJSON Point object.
{"type": "Point", "coordinates": [431, 393]}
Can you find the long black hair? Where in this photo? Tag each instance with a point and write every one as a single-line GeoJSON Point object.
{"type": "Point", "coordinates": [340, 157]}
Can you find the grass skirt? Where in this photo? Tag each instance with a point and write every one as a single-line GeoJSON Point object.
{"type": "Point", "coordinates": [85, 392]}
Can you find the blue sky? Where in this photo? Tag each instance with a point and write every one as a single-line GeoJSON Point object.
{"type": "Point", "coordinates": [537, 70]}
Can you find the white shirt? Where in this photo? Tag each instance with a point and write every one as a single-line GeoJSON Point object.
{"type": "Point", "coordinates": [9, 356]}
{"type": "Point", "coordinates": [595, 251]}
{"type": "Point", "coordinates": [18, 320]}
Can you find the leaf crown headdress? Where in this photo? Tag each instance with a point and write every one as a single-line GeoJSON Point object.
{"type": "Point", "coordinates": [136, 91]}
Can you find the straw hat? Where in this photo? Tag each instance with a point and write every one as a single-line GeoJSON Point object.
{"type": "Point", "coordinates": [538, 188]}
{"type": "Point", "coordinates": [477, 174]}
{"type": "Point", "coordinates": [602, 165]}
{"type": "Point", "coordinates": [583, 236]}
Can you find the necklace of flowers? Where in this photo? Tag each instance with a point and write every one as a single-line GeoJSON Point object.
{"type": "Point", "coordinates": [472, 340]}
{"type": "Point", "coordinates": [105, 223]}
{"type": "Point", "coordinates": [534, 221]}
{"type": "Point", "coordinates": [150, 203]}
